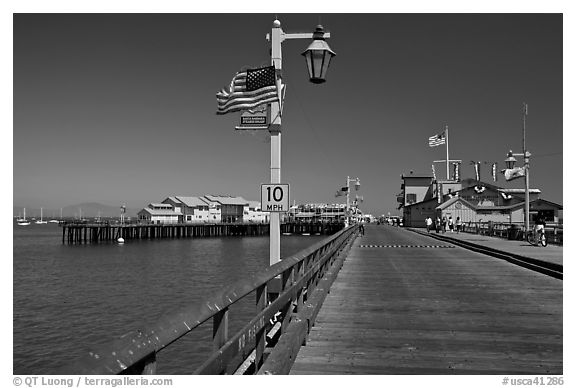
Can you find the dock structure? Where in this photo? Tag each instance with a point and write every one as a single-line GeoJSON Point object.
{"type": "Point", "coordinates": [77, 233]}
{"type": "Point", "coordinates": [389, 301]}
{"type": "Point", "coordinates": [409, 304]}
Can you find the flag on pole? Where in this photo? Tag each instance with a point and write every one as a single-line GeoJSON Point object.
{"type": "Point", "coordinates": [339, 193]}
{"type": "Point", "coordinates": [344, 189]}
{"type": "Point", "coordinates": [494, 169]}
{"type": "Point", "coordinates": [456, 171]}
{"type": "Point", "coordinates": [476, 169]}
{"type": "Point", "coordinates": [513, 173]}
{"type": "Point", "coordinates": [248, 90]}
{"type": "Point", "coordinates": [434, 172]}
{"type": "Point", "coordinates": [437, 140]}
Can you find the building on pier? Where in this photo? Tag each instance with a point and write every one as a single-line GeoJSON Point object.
{"type": "Point", "coordinates": [194, 209]}
{"type": "Point", "coordinates": [317, 212]}
{"type": "Point", "coordinates": [473, 201]}
{"type": "Point", "coordinates": [211, 209]}
{"type": "Point", "coordinates": [159, 213]}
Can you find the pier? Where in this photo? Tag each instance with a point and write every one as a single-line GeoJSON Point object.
{"type": "Point", "coordinates": [391, 301]}
{"type": "Point", "coordinates": [77, 233]}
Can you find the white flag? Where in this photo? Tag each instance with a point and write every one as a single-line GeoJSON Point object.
{"type": "Point", "coordinates": [513, 173]}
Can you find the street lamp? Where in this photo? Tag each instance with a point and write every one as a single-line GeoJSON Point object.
{"type": "Point", "coordinates": [318, 56]}
{"type": "Point", "coordinates": [510, 161]}
{"type": "Point", "coordinates": [357, 187]}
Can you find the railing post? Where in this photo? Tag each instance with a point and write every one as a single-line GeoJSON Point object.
{"type": "Point", "coordinates": [286, 311]}
{"type": "Point", "coordinates": [261, 302]}
{"type": "Point", "coordinates": [220, 328]}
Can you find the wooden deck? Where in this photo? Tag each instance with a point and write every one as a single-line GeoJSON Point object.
{"type": "Point", "coordinates": [423, 309]}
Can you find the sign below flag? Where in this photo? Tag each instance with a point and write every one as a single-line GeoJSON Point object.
{"type": "Point", "coordinates": [255, 119]}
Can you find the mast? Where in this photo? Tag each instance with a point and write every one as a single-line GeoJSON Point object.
{"type": "Point", "coordinates": [447, 158]}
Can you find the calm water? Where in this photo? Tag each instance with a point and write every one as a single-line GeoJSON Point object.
{"type": "Point", "coordinates": [70, 298]}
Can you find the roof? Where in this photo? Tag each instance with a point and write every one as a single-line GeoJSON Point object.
{"type": "Point", "coordinates": [520, 191]}
{"type": "Point", "coordinates": [160, 212]}
{"type": "Point", "coordinates": [227, 199]}
{"type": "Point", "coordinates": [445, 204]}
{"type": "Point", "coordinates": [159, 204]}
{"type": "Point", "coordinates": [492, 208]}
{"type": "Point", "coordinates": [192, 201]}
{"type": "Point", "coordinates": [417, 176]}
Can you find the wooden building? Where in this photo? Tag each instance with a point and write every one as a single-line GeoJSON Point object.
{"type": "Point", "coordinates": [231, 208]}
{"type": "Point", "coordinates": [194, 209]}
{"type": "Point", "coordinates": [159, 213]}
{"type": "Point", "coordinates": [472, 201]}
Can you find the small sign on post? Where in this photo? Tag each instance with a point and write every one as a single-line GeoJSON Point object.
{"type": "Point", "coordinates": [258, 118]}
{"type": "Point", "coordinates": [275, 197]}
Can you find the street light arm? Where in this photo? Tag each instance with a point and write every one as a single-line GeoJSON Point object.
{"type": "Point", "coordinates": [296, 35]}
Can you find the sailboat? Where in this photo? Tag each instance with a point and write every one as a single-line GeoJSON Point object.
{"type": "Point", "coordinates": [41, 221]}
{"type": "Point", "coordinates": [23, 221]}
{"type": "Point", "coordinates": [56, 221]}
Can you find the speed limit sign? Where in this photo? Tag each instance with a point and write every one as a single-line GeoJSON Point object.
{"type": "Point", "coordinates": [275, 197]}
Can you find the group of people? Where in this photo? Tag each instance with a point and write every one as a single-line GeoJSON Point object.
{"type": "Point", "coordinates": [444, 224]}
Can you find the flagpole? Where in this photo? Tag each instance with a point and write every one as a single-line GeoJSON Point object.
{"type": "Point", "coordinates": [275, 141]}
{"type": "Point", "coordinates": [447, 158]}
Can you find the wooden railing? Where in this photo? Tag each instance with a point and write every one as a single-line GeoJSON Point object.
{"type": "Point", "coordinates": [288, 296]}
{"type": "Point", "coordinates": [554, 233]}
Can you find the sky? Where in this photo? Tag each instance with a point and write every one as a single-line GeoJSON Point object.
{"type": "Point", "coordinates": [120, 108]}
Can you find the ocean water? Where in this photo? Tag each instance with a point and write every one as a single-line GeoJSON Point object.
{"type": "Point", "coordinates": [69, 299]}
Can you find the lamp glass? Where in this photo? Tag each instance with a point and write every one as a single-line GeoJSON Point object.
{"type": "Point", "coordinates": [510, 161]}
{"type": "Point", "coordinates": [318, 56]}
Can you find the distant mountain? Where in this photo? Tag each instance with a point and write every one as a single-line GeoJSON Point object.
{"type": "Point", "coordinates": [87, 210]}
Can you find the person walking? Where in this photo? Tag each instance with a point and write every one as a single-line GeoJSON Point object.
{"type": "Point", "coordinates": [444, 224]}
{"type": "Point", "coordinates": [458, 224]}
{"type": "Point", "coordinates": [362, 228]}
{"type": "Point", "coordinates": [428, 224]}
{"type": "Point", "coordinates": [451, 224]}
{"type": "Point", "coordinates": [437, 224]}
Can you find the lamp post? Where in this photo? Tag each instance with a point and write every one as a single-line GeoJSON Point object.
{"type": "Point", "coordinates": [357, 187]}
{"type": "Point", "coordinates": [511, 161]}
{"type": "Point", "coordinates": [318, 56]}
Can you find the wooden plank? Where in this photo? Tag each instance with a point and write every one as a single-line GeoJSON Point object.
{"type": "Point", "coordinates": [434, 311]}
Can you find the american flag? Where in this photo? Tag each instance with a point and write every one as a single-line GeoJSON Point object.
{"type": "Point", "coordinates": [437, 140]}
{"type": "Point", "coordinates": [248, 90]}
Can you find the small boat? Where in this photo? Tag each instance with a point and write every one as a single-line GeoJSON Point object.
{"type": "Point", "coordinates": [23, 221]}
{"type": "Point", "coordinates": [41, 221]}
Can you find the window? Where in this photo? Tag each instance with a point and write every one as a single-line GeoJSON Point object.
{"type": "Point", "coordinates": [411, 198]}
